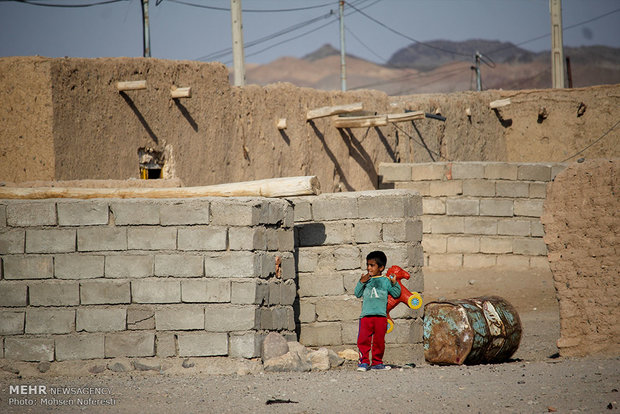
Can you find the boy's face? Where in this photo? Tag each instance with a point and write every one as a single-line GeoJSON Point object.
{"type": "Point", "coordinates": [373, 268]}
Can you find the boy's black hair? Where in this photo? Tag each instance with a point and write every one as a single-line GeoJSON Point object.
{"type": "Point", "coordinates": [377, 256]}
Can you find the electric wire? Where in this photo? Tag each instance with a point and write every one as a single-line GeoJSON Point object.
{"type": "Point", "coordinates": [592, 143]}
{"type": "Point", "coordinates": [202, 6]}
{"type": "Point", "coordinates": [420, 144]}
{"type": "Point", "coordinates": [37, 3]}
{"type": "Point", "coordinates": [381, 58]}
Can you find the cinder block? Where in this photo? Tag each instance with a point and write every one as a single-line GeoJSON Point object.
{"type": "Point", "coordinates": [530, 246]}
{"type": "Point", "coordinates": [203, 238]}
{"type": "Point", "coordinates": [271, 235]}
{"type": "Point", "coordinates": [415, 255]}
{"type": "Point", "coordinates": [156, 291]}
{"type": "Point", "coordinates": [139, 318]}
{"type": "Point", "coordinates": [421, 187]}
{"type": "Point", "coordinates": [179, 212]}
{"type": "Point", "coordinates": [534, 172]}
{"type": "Point", "coordinates": [320, 285]}
{"type": "Point", "coordinates": [101, 238]}
{"type": "Point", "coordinates": [477, 261]}
{"type": "Point", "coordinates": [12, 241]}
{"type": "Point", "coordinates": [350, 279]}
{"type": "Point", "coordinates": [266, 319]}
{"type": "Point", "coordinates": [247, 238]}
{"type": "Point", "coordinates": [11, 323]}
{"type": "Point", "coordinates": [13, 294]}
{"type": "Point", "coordinates": [409, 230]}
{"type": "Point", "coordinates": [54, 293]}
{"type": "Point", "coordinates": [82, 213]}
{"type": "Point", "coordinates": [235, 212]}
{"type": "Point", "coordinates": [202, 344]}
{"type": "Point", "coordinates": [428, 171]}
{"type": "Point", "coordinates": [289, 292]}
{"type": "Point", "coordinates": [513, 189]}
{"type": "Point", "coordinates": [28, 267]}
{"type": "Point", "coordinates": [50, 241]}
{"type": "Point", "coordinates": [77, 266]}
{"type": "Point", "coordinates": [536, 229]}
{"type": "Point", "coordinates": [275, 292]}
{"type": "Point", "coordinates": [334, 207]}
{"type": "Point", "coordinates": [165, 344]}
{"type": "Point", "coordinates": [129, 344]}
{"type": "Point", "coordinates": [249, 292]}
{"type": "Point", "coordinates": [50, 321]}
{"type": "Point", "coordinates": [178, 265]}
{"type": "Point", "coordinates": [500, 171]}
{"type": "Point", "coordinates": [289, 216]}
{"type": "Point", "coordinates": [233, 264]}
{"type": "Point", "coordinates": [538, 190]}
{"type": "Point", "coordinates": [129, 266]}
{"type": "Point", "coordinates": [307, 259]}
{"type": "Point", "coordinates": [513, 227]}
{"type": "Point", "coordinates": [434, 206]}
{"type": "Point", "coordinates": [101, 319]}
{"type": "Point", "coordinates": [267, 264]}
{"type": "Point", "coordinates": [31, 213]}
{"type": "Point", "coordinates": [467, 170]}
{"type": "Point", "coordinates": [496, 207]}
{"type": "Point", "coordinates": [435, 243]}
{"type": "Point", "coordinates": [318, 234]}
{"type": "Point", "coordinates": [307, 311]}
{"type": "Point", "coordinates": [272, 211]}
{"type": "Point", "coordinates": [479, 188]}
{"type": "Point", "coordinates": [226, 318]}
{"type": "Point", "coordinates": [447, 225]}
{"type": "Point", "coordinates": [406, 331]}
{"type": "Point", "coordinates": [446, 188]}
{"type": "Point", "coordinates": [321, 334]}
{"type": "Point", "coordinates": [426, 225]}
{"type": "Point", "coordinates": [302, 208]}
{"type": "Point", "coordinates": [29, 349]}
{"type": "Point", "coordinates": [179, 318]}
{"type": "Point", "coordinates": [394, 172]}
{"type": "Point", "coordinates": [445, 261]}
{"type": "Point", "coordinates": [152, 238]}
{"type": "Point", "coordinates": [388, 204]}
{"type": "Point", "coordinates": [130, 212]}
{"type": "Point", "coordinates": [85, 346]}
{"type": "Point", "coordinates": [513, 261]}
{"type": "Point", "coordinates": [480, 225]}
{"type": "Point", "coordinates": [367, 231]}
{"type": "Point", "coordinates": [338, 308]}
{"type": "Point", "coordinates": [245, 345]}
{"type": "Point", "coordinates": [206, 290]}
{"type": "Point", "coordinates": [463, 244]}
{"type": "Point", "coordinates": [462, 207]}
{"type": "Point", "coordinates": [286, 240]}
{"type": "Point", "coordinates": [539, 262]}
{"type": "Point", "coordinates": [529, 208]}
{"type": "Point", "coordinates": [350, 330]}
{"type": "Point", "coordinates": [2, 223]}
{"type": "Point", "coordinates": [556, 169]}
{"type": "Point", "coordinates": [347, 257]}
{"type": "Point", "coordinates": [495, 245]}
{"type": "Point", "coordinates": [96, 292]}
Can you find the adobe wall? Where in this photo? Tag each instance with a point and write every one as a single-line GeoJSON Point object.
{"type": "Point", "coordinates": [581, 231]}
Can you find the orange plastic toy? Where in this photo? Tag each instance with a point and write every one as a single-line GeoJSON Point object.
{"type": "Point", "coordinates": [412, 299]}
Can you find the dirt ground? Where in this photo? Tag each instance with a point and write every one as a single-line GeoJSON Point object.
{"type": "Point", "coordinates": [536, 380]}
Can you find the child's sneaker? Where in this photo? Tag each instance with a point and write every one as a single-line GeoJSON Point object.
{"type": "Point", "coordinates": [381, 367]}
{"type": "Point", "coordinates": [362, 367]}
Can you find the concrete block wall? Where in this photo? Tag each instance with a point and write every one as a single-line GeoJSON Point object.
{"type": "Point", "coordinates": [478, 214]}
{"type": "Point", "coordinates": [105, 278]}
{"type": "Point", "coordinates": [333, 235]}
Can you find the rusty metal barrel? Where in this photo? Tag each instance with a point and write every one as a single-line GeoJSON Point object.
{"type": "Point", "coordinates": [486, 329]}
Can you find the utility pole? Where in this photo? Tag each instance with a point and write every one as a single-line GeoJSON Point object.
{"type": "Point", "coordinates": [477, 69]}
{"type": "Point", "coordinates": [145, 26]}
{"type": "Point", "coordinates": [237, 39]}
{"type": "Point", "coordinates": [343, 69]}
{"type": "Point", "coordinates": [557, 44]}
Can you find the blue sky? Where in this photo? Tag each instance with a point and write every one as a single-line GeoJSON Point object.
{"type": "Point", "coordinates": [180, 31]}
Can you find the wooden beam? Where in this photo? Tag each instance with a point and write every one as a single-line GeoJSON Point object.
{"type": "Point", "coordinates": [407, 116]}
{"type": "Point", "coordinates": [180, 92]}
{"type": "Point", "coordinates": [130, 85]}
{"type": "Point", "coordinates": [360, 121]}
{"type": "Point", "coordinates": [333, 110]}
{"type": "Point", "coordinates": [281, 123]}
{"type": "Point", "coordinates": [499, 103]}
{"type": "Point", "coordinates": [271, 187]}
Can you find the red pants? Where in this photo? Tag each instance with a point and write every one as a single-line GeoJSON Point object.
{"type": "Point", "coordinates": [372, 331]}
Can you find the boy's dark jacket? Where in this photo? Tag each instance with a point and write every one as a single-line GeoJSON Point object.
{"type": "Point", "coordinates": [375, 293]}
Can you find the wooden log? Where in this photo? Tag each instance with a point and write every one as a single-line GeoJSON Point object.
{"type": "Point", "coordinates": [131, 85]}
{"type": "Point", "coordinates": [180, 92]}
{"type": "Point", "coordinates": [281, 123]}
{"type": "Point", "coordinates": [407, 116]}
{"type": "Point", "coordinates": [271, 187]}
{"type": "Point", "coordinates": [360, 121]}
{"type": "Point", "coordinates": [333, 110]}
{"type": "Point", "coordinates": [499, 103]}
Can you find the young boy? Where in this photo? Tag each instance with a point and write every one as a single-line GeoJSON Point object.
{"type": "Point", "coordinates": [373, 323]}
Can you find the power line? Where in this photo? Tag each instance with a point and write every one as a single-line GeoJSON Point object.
{"type": "Point", "coordinates": [589, 145]}
{"type": "Point", "coordinates": [202, 6]}
{"type": "Point", "coordinates": [420, 144]}
{"type": "Point", "coordinates": [36, 3]}
{"type": "Point", "coordinates": [381, 58]}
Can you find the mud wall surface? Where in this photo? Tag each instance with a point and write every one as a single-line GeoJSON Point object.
{"type": "Point", "coordinates": [224, 134]}
{"type": "Point", "coordinates": [26, 127]}
{"type": "Point", "coordinates": [581, 231]}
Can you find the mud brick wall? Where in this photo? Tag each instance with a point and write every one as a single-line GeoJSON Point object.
{"type": "Point", "coordinates": [333, 235]}
{"type": "Point", "coordinates": [582, 226]}
{"type": "Point", "coordinates": [479, 214]}
{"type": "Point", "coordinates": [86, 279]}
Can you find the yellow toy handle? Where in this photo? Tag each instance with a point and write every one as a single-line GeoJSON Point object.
{"type": "Point", "coordinates": [415, 300]}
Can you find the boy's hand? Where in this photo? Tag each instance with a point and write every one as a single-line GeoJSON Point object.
{"type": "Point", "coordinates": [392, 279]}
{"type": "Point", "coordinates": [365, 278]}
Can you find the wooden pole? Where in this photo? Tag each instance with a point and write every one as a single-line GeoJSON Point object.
{"type": "Point", "coordinates": [271, 187]}
{"type": "Point", "coordinates": [360, 121]}
{"type": "Point", "coordinates": [281, 123]}
{"type": "Point", "coordinates": [237, 38]}
{"type": "Point", "coordinates": [180, 92]}
{"type": "Point", "coordinates": [333, 110]}
{"type": "Point", "coordinates": [499, 103]}
{"type": "Point", "coordinates": [557, 44]}
{"type": "Point", "coordinates": [407, 116]}
{"type": "Point", "coordinates": [130, 85]}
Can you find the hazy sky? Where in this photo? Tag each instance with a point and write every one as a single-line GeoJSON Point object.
{"type": "Point", "coordinates": [180, 31]}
